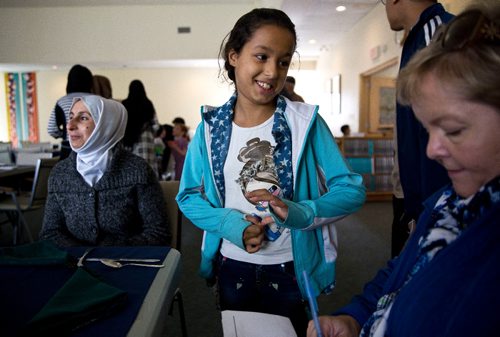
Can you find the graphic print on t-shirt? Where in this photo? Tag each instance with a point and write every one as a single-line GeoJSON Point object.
{"type": "Point", "coordinates": [259, 172]}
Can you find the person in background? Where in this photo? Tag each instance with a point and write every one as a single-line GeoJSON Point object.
{"type": "Point", "coordinates": [79, 84]}
{"type": "Point", "coordinates": [400, 228]}
{"type": "Point", "coordinates": [102, 194]}
{"type": "Point", "coordinates": [179, 147]}
{"type": "Point", "coordinates": [346, 130]}
{"type": "Point", "coordinates": [102, 86]}
{"type": "Point", "coordinates": [139, 134]}
{"type": "Point", "coordinates": [160, 148]}
{"type": "Point", "coordinates": [420, 177]}
{"type": "Point", "coordinates": [445, 281]}
{"type": "Point", "coordinates": [167, 164]}
{"type": "Point", "coordinates": [259, 183]}
{"type": "Point", "coordinates": [179, 120]}
{"type": "Point", "coordinates": [289, 90]}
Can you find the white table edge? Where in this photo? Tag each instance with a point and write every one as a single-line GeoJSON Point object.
{"type": "Point", "coordinates": [151, 318]}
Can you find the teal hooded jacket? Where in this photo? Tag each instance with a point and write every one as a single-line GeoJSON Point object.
{"type": "Point", "coordinates": [324, 191]}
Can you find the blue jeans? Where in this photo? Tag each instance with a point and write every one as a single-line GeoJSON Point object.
{"type": "Point", "coordinates": [271, 289]}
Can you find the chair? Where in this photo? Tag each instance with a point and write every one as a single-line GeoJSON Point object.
{"type": "Point", "coordinates": [30, 158]}
{"type": "Point", "coordinates": [170, 190]}
{"type": "Point", "coordinates": [19, 203]}
{"type": "Point", "coordinates": [28, 146]}
{"type": "Point", "coordinates": [6, 153]}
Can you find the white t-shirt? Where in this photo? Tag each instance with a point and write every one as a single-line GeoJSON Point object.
{"type": "Point", "coordinates": [250, 166]}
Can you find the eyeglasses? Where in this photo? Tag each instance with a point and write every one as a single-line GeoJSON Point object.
{"type": "Point", "coordinates": [383, 2]}
{"type": "Point", "coordinates": [468, 28]}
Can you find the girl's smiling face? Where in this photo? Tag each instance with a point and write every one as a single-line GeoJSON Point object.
{"type": "Point", "coordinates": [463, 135]}
{"type": "Point", "coordinates": [262, 65]}
{"type": "Point", "coordinates": [80, 125]}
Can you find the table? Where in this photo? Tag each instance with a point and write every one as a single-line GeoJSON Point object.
{"type": "Point", "coordinates": [151, 319]}
{"type": "Point", "coordinates": [25, 289]}
{"type": "Point", "coordinates": [9, 171]}
{"type": "Point", "coordinates": [14, 176]}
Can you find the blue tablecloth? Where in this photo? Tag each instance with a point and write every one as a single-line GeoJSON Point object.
{"type": "Point", "coordinates": [24, 290]}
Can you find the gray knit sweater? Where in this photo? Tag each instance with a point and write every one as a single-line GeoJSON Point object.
{"type": "Point", "coordinates": [124, 208]}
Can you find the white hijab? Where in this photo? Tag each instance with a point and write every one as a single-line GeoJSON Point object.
{"type": "Point", "coordinates": [110, 118]}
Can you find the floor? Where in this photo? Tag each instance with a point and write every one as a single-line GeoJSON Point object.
{"type": "Point", "coordinates": [364, 247]}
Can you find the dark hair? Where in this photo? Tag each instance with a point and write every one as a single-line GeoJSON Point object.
{"type": "Point", "coordinates": [344, 128]}
{"type": "Point", "coordinates": [290, 79]}
{"type": "Point", "coordinates": [179, 120]}
{"type": "Point", "coordinates": [79, 79]}
{"type": "Point", "coordinates": [169, 129]}
{"type": "Point", "coordinates": [141, 112]}
{"type": "Point", "coordinates": [246, 26]}
{"type": "Point", "coordinates": [136, 90]}
{"type": "Point", "coordinates": [102, 86]}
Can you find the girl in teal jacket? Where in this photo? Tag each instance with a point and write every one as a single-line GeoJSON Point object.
{"type": "Point", "coordinates": [265, 180]}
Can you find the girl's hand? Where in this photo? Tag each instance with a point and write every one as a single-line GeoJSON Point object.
{"type": "Point", "coordinates": [253, 234]}
{"type": "Point", "coordinates": [279, 208]}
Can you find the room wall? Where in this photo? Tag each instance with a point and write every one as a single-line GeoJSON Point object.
{"type": "Point", "coordinates": [180, 91]}
{"type": "Point", "coordinates": [173, 91]}
{"type": "Point", "coordinates": [368, 45]}
{"type": "Point", "coordinates": [104, 34]}
{"type": "Point", "coordinates": [374, 45]}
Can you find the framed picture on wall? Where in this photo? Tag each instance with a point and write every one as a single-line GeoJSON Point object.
{"type": "Point", "coordinates": [382, 103]}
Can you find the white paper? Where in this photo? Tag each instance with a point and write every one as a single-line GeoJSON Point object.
{"type": "Point", "coordinates": [255, 324]}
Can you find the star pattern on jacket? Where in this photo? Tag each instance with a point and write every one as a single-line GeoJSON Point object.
{"type": "Point", "coordinates": [220, 122]}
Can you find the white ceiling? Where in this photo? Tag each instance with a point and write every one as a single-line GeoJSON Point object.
{"type": "Point", "coordinates": [314, 19]}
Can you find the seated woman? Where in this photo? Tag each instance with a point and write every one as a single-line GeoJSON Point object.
{"type": "Point", "coordinates": [446, 280]}
{"type": "Point", "coordinates": [102, 194]}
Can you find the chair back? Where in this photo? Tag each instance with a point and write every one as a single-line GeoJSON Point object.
{"type": "Point", "coordinates": [170, 189]}
{"type": "Point", "coordinates": [41, 180]}
{"type": "Point", "coordinates": [27, 146]}
{"type": "Point", "coordinates": [30, 158]}
{"type": "Point", "coordinates": [5, 146]}
{"type": "Point", "coordinates": [6, 153]}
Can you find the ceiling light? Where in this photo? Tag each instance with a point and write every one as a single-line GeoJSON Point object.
{"type": "Point", "coordinates": [312, 41]}
{"type": "Point", "coordinates": [340, 8]}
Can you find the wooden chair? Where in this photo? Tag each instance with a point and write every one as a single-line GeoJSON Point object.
{"type": "Point", "coordinates": [170, 189]}
{"type": "Point", "coordinates": [19, 203]}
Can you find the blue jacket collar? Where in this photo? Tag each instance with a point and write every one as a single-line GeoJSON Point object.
{"type": "Point", "coordinates": [220, 122]}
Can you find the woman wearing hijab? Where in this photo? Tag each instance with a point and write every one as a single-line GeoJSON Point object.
{"type": "Point", "coordinates": [102, 194]}
{"type": "Point", "coordinates": [139, 134]}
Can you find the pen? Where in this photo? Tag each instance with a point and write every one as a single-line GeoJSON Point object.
{"type": "Point", "coordinates": [313, 305]}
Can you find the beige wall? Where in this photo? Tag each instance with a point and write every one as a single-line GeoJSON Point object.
{"type": "Point", "coordinates": [181, 91]}
{"type": "Point", "coordinates": [369, 44]}
{"type": "Point", "coordinates": [67, 35]}
{"type": "Point", "coordinates": [173, 91]}
{"type": "Point", "coordinates": [357, 53]}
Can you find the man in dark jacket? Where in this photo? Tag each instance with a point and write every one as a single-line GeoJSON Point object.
{"type": "Point", "coordinates": [420, 176]}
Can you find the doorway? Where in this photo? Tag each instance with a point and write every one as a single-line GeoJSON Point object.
{"type": "Point", "coordinates": [378, 98]}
